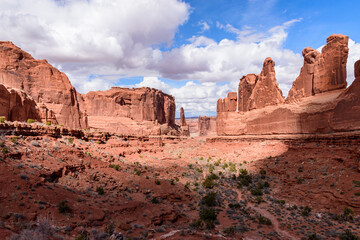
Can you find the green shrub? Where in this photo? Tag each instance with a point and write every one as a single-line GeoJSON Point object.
{"type": "Point", "coordinates": [100, 190]}
{"type": "Point", "coordinates": [306, 211]}
{"type": "Point", "coordinates": [208, 215]}
{"type": "Point", "coordinates": [30, 120]}
{"type": "Point", "coordinates": [5, 150]}
{"type": "Point", "coordinates": [348, 235]}
{"type": "Point", "coordinates": [225, 165]}
{"type": "Point", "coordinates": [209, 199]}
{"type": "Point", "coordinates": [234, 205]}
{"type": "Point", "coordinates": [15, 139]}
{"type": "Point", "coordinates": [155, 200]}
{"type": "Point", "coordinates": [110, 228]}
{"type": "Point", "coordinates": [209, 181]}
{"type": "Point", "coordinates": [244, 178]}
{"type": "Point", "coordinates": [256, 191]}
{"type": "Point", "coordinates": [137, 171]}
{"type": "Point", "coordinates": [357, 183]}
{"type": "Point", "coordinates": [259, 200]}
{"type": "Point", "coordinates": [2, 119]}
{"type": "Point", "coordinates": [48, 123]}
{"type": "Point", "coordinates": [229, 231]}
{"type": "Point", "coordinates": [71, 140]}
{"type": "Point", "coordinates": [232, 167]}
{"type": "Point", "coordinates": [157, 182]}
{"type": "Point", "coordinates": [116, 167]}
{"type": "Point", "coordinates": [63, 207]}
{"type": "Point", "coordinates": [264, 220]}
{"type": "Point", "coordinates": [83, 236]}
{"type": "Point", "coordinates": [313, 237]}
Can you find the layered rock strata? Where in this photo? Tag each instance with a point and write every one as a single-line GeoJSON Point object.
{"type": "Point", "coordinates": [322, 72]}
{"type": "Point", "coordinates": [44, 83]}
{"type": "Point", "coordinates": [228, 104]}
{"type": "Point", "coordinates": [207, 126]}
{"type": "Point", "coordinates": [124, 110]}
{"type": "Point", "coordinates": [44, 93]}
{"type": "Point", "coordinates": [317, 103]}
{"type": "Point", "coordinates": [16, 105]}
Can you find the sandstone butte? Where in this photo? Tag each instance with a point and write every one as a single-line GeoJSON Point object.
{"type": "Point", "coordinates": [318, 101]}
{"type": "Point", "coordinates": [33, 89]}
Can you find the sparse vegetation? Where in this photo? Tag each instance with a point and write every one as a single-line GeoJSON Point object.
{"type": "Point", "coordinates": [116, 167]}
{"type": "Point", "coordinates": [209, 199]}
{"type": "Point", "coordinates": [29, 121]}
{"type": "Point", "coordinates": [100, 190]}
{"type": "Point", "coordinates": [63, 207]}
{"type": "Point", "coordinates": [306, 211]}
{"type": "Point", "coordinates": [71, 140]}
{"type": "Point", "coordinates": [2, 119]}
{"type": "Point", "coordinates": [264, 220]}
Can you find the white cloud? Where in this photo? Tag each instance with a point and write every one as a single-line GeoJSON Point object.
{"type": "Point", "coordinates": [354, 55]}
{"type": "Point", "coordinates": [93, 36]}
{"type": "Point", "coordinates": [154, 82]}
{"type": "Point", "coordinates": [204, 26]}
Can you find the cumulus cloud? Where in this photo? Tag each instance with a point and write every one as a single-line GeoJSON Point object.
{"type": "Point", "coordinates": [354, 55]}
{"type": "Point", "coordinates": [92, 36]}
{"type": "Point", "coordinates": [154, 82]}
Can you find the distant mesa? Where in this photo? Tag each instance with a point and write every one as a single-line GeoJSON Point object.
{"type": "Point", "coordinates": [318, 101]}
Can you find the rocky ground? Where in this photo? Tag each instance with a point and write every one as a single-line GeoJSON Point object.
{"type": "Point", "coordinates": [178, 188]}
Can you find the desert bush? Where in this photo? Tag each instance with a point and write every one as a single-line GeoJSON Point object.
{"type": "Point", "coordinates": [5, 150]}
{"type": "Point", "coordinates": [15, 139]}
{"type": "Point", "coordinates": [71, 140]}
{"type": "Point", "coordinates": [256, 191]}
{"type": "Point", "coordinates": [116, 167]}
{"type": "Point", "coordinates": [157, 181]}
{"type": "Point", "coordinates": [229, 231]}
{"type": "Point", "coordinates": [264, 220]}
{"type": "Point", "coordinates": [209, 199]}
{"type": "Point", "coordinates": [306, 211]}
{"type": "Point", "coordinates": [155, 200]}
{"type": "Point", "coordinates": [48, 123]}
{"type": "Point", "coordinates": [30, 120]}
{"type": "Point", "coordinates": [100, 190]}
{"type": "Point", "coordinates": [208, 215]}
{"type": "Point", "coordinates": [2, 119]}
{"type": "Point", "coordinates": [348, 235]}
{"type": "Point", "coordinates": [63, 207]}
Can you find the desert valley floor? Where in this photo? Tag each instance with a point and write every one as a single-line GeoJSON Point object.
{"type": "Point", "coordinates": [89, 187]}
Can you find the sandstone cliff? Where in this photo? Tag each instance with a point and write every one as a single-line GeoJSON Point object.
{"type": "Point", "coordinates": [16, 105]}
{"type": "Point", "coordinates": [322, 72]}
{"type": "Point", "coordinates": [44, 83]}
{"type": "Point", "coordinates": [123, 109]}
{"type": "Point", "coordinates": [325, 105]}
{"type": "Point", "coordinates": [34, 89]}
{"type": "Point", "coordinates": [227, 104]}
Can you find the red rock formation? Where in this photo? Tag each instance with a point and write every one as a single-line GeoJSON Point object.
{"type": "Point", "coordinates": [227, 104]}
{"type": "Point", "coordinates": [322, 72]}
{"type": "Point", "coordinates": [123, 109]}
{"type": "Point", "coordinates": [44, 83]}
{"type": "Point", "coordinates": [246, 86]}
{"type": "Point", "coordinates": [206, 126]}
{"type": "Point", "coordinates": [16, 105]}
{"type": "Point", "coordinates": [182, 117]}
{"type": "Point", "coordinates": [266, 91]}
{"type": "Point", "coordinates": [327, 106]}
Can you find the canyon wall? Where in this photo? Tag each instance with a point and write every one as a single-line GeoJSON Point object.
{"type": "Point", "coordinates": [122, 110]}
{"type": "Point", "coordinates": [44, 83]}
{"type": "Point", "coordinates": [34, 89]}
{"type": "Point", "coordinates": [317, 103]}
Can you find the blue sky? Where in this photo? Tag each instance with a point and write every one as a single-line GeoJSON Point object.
{"type": "Point", "coordinates": [196, 50]}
